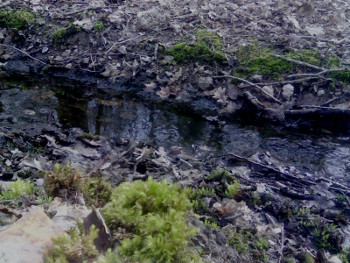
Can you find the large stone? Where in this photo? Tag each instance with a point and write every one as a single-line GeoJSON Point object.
{"type": "Point", "coordinates": [287, 91]}
{"type": "Point", "coordinates": [205, 83]}
{"type": "Point", "coordinates": [29, 239]}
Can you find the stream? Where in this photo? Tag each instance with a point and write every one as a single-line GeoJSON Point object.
{"type": "Point", "coordinates": [27, 104]}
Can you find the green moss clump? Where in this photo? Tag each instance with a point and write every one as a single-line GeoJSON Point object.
{"type": "Point", "coordinates": [18, 19]}
{"type": "Point", "coordinates": [233, 189]}
{"type": "Point", "coordinates": [98, 190]}
{"type": "Point", "coordinates": [254, 59]}
{"type": "Point", "coordinates": [63, 177]}
{"type": "Point", "coordinates": [74, 246]}
{"type": "Point", "coordinates": [61, 33]}
{"type": "Point", "coordinates": [211, 39]}
{"type": "Point", "coordinates": [341, 76]}
{"type": "Point", "coordinates": [99, 26]}
{"type": "Point", "coordinates": [17, 189]}
{"type": "Point", "coordinates": [154, 212]}
{"type": "Point", "coordinates": [199, 52]}
{"type": "Point", "coordinates": [326, 236]}
{"type": "Point", "coordinates": [109, 257]}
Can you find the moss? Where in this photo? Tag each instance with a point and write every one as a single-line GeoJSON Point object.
{"type": "Point", "coordinates": [99, 26]}
{"type": "Point", "coordinates": [17, 189]}
{"type": "Point", "coordinates": [345, 255]}
{"type": "Point", "coordinates": [254, 59]}
{"type": "Point", "coordinates": [306, 257]}
{"type": "Point", "coordinates": [18, 19]}
{"type": "Point", "coordinates": [60, 35]}
{"type": "Point", "coordinates": [74, 246]}
{"type": "Point", "coordinates": [209, 38]}
{"type": "Point", "coordinates": [109, 257]}
{"type": "Point", "coordinates": [219, 174]}
{"type": "Point", "coordinates": [210, 223]}
{"type": "Point", "coordinates": [154, 213]}
{"type": "Point", "coordinates": [233, 189]}
{"type": "Point", "coordinates": [63, 177]}
{"type": "Point", "coordinates": [199, 52]}
{"type": "Point", "coordinates": [341, 76]}
{"type": "Point", "coordinates": [98, 190]}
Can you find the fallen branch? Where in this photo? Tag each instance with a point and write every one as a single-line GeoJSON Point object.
{"type": "Point", "coordinates": [24, 53]}
{"type": "Point", "coordinates": [250, 84]}
{"type": "Point", "coordinates": [298, 62]}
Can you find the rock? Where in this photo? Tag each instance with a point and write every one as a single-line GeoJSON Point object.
{"type": "Point", "coordinates": [269, 90]}
{"type": "Point", "coordinates": [257, 78]}
{"type": "Point", "coordinates": [287, 91]}
{"type": "Point", "coordinates": [205, 83]}
{"type": "Point", "coordinates": [334, 259]}
{"type": "Point", "coordinates": [29, 239]}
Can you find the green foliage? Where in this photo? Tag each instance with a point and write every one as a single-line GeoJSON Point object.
{"type": "Point", "coordinates": [17, 189]}
{"type": "Point", "coordinates": [201, 192]}
{"type": "Point", "coordinates": [209, 38]}
{"type": "Point", "coordinates": [247, 241]}
{"type": "Point", "coordinates": [18, 19]}
{"type": "Point", "coordinates": [45, 200]}
{"type": "Point", "coordinates": [340, 76]}
{"type": "Point", "coordinates": [63, 177]}
{"type": "Point", "coordinates": [74, 246]}
{"type": "Point", "coordinates": [61, 33]}
{"type": "Point", "coordinates": [326, 236]}
{"type": "Point", "coordinates": [306, 258]}
{"type": "Point", "coordinates": [154, 212]}
{"type": "Point", "coordinates": [99, 26]}
{"type": "Point", "coordinates": [198, 52]}
{"type": "Point", "coordinates": [98, 190]}
{"type": "Point", "coordinates": [345, 255]}
{"type": "Point", "coordinates": [219, 174]}
{"type": "Point", "coordinates": [109, 257]}
{"type": "Point", "coordinates": [254, 59]}
{"type": "Point", "coordinates": [210, 223]}
{"type": "Point", "coordinates": [233, 189]}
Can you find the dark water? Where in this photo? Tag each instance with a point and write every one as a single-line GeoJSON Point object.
{"type": "Point", "coordinates": [24, 104]}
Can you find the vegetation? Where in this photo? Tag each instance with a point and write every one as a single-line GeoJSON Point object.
{"type": "Point", "coordinates": [99, 26]}
{"type": "Point", "coordinates": [154, 212]}
{"type": "Point", "coordinates": [61, 33]}
{"type": "Point", "coordinates": [109, 257]}
{"type": "Point", "coordinates": [204, 50]}
{"type": "Point", "coordinates": [18, 19]}
{"type": "Point", "coordinates": [247, 241]}
{"type": "Point", "coordinates": [74, 246]}
{"type": "Point", "coordinates": [17, 189]}
{"type": "Point", "coordinates": [63, 177]}
{"type": "Point", "coordinates": [233, 189]}
{"type": "Point", "coordinates": [326, 236]}
{"type": "Point", "coordinates": [98, 190]}
{"type": "Point", "coordinates": [210, 223]}
{"type": "Point", "coordinates": [219, 174]}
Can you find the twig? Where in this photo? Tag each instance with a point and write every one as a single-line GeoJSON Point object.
{"type": "Point", "coordinates": [251, 84]}
{"type": "Point", "coordinates": [323, 72]}
{"type": "Point", "coordinates": [298, 62]}
{"type": "Point", "coordinates": [25, 53]}
{"type": "Point", "coordinates": [121, 42]}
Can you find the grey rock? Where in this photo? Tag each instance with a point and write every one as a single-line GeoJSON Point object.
{"type": "Point", "coordinates": [287, 91]}
{"type": "Point", "coordinates": [269, 90]}
{"type": "Point", "coordinates": [205, 83]}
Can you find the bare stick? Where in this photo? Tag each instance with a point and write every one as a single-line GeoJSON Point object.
{"type": "Point", "coordinates": [298, 62]}
{"type": "Point", "coordinates": [250, 84]}
{"type": "Point", "coordinates": [121, 42]}
{"type": "Point", "coordinates": [25, 53]}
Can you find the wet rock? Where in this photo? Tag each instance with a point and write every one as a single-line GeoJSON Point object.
{"type": "Point", "coordinates": [29, 239]}
{"type": "Point", "coordinates": [287, 91]}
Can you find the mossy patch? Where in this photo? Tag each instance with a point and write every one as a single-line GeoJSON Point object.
{"type": "Point", "coordinates": [205, 50]}
{"type": "Point", "coordinates": [98, 190]}
{"type": "Point", "coordinates": [154, 213]}
{"type": "Point", "coordinates": [18, 19]}
{"type": "Point", "coordinates": [60, 35]}
{"type": "Point", "coordinates": [17, 189]}
{"type": "Point", "coordinates": [74, 246]}
{"type": "Point", "coordinates": [99, 26]}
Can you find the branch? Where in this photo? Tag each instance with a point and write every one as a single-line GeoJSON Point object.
{"type": "Point", "coordinates": [298, 62]}
{"type": "Point", "coordinates": [250, 84]}
{"type": "Point", "coordinates": [25, 53]}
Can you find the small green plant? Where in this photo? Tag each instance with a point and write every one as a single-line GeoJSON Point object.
{"type": "Point", "coordinates": [109, 257]}
{"type": "Point", "coordinates": [74, 246]}
{"type": "Point", "coordinates": [17, 189]}
{"type": "Point", "coordinates": [18, 19]}
{"type": "Point", "coordinates": [345, 255]}
{"type": "Point", "coordinates": [98, 190]}
{"type": "Point", "coordinates": [201, 192]}
{"type": "Point", "coordinates": [210, 223]}
{"type": "Point", "coordinates": [63, 177]}
{"type": "Point", "coordinates": [154, 212]}
{"type": "Point", "coordinates": [262, 244]}
{"type": "Point", "coordinates": [45, 200]}
{"type": "Point", "coordinates": [233, 189]}
{"type": "Point", "coordinates": [99, 26]}
{"type": "Point", "coordinates": [219, 174]}
{"type": "Point", "coordinates": [60, 34]}
{"type": "Point", "coordinates": [209, 38]}
{"type": "Point", "coordinates": [326, 236]}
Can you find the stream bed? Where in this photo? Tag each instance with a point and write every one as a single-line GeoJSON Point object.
{"type": "Point", "coordinates": [24, 104]}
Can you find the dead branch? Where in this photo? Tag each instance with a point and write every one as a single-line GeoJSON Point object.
{"type": "Point", "coordinates": [298, 62]}
{"type": "Point", "coordinates": [24, 53]}
{"type": "Point", "coordinates": [250, 84]}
